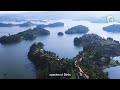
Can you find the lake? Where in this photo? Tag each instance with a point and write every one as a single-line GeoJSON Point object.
{"type": "Point", "coordinates": [14, 63]}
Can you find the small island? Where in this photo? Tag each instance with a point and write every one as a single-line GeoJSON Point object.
{"type": "Point", "coordinates": [112, 28]}
{"type": "Point", "coordinates": [60, 34]}
{"type": "Point", "coordinates": [80, 29]}
{"type": "Point", "coordinates": [29, 34]}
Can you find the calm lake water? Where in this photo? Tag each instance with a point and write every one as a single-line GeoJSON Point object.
{"type": "Point", "coordinates": [13, 58]}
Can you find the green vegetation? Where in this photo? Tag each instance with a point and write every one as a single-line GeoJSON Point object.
{"type": "Point", "coordinates": [29, 34]}
{"type": "Point", "coordinates": [80, 29]}
{"type": "Point", "coordinates": [97, 52]}
{"type": "Point", "coordinates": [93, 65]}
{"type": "Point", "coordinates": [74, 75]}
{"type": "Point", "coordinates": [47, 62]}
{"type": "Point", "coordinates": [107, 42]}
{"type": "Point", "coordinates": [114, 63]}
{"type": "Point", "coordinates": [107, 46]}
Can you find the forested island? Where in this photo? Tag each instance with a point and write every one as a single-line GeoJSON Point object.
{"type": "Point", "coordinates": [29, 34]}
{"type": "Point", "coordinates": [88, 64]}
{"type": "Point", "coordinates": [112, 28]}
{"type": "Point", "coordinates": [60, 34]}
{"type": "Point", "coordinates": [27, 24]}
{"type": "Point", "coordinates": [99, 49]}
{"type": "Point", "coordinates": [56, 24]}
{"type": "Point", "coordinates": [80, 29]}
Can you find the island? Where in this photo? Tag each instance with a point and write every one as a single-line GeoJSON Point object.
{"type": "Point", "coordinates": [27, 24]}
{"type": "Point", "coordinates": [80, 29]}
{"type": "Point", "coordinates": [60, 34]}
{"type": "Point", "coordinates": [88, 64]}
{"type": "Point", "coordinates": [6, 25]}
{"type": "Point", "coordinates": [29, 34]}
{"type": "Point", "coordinates": [56, 24]}
{"type": "Point", "coordinates": [99, 49]}
{"type": "Point", "coordinates": [112, 28]}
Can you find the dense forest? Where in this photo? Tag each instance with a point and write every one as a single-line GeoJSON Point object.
{"type": "Point", "coordinates": [108, 46]}
{"type": "Point", "coordinates": [29, 34]}
{"type": "Point", "coordinates": [94, 58]}
{"type": "Point", "coordinates": [80, 29]}
{"type": "Point", "coordinates": [47, 62]}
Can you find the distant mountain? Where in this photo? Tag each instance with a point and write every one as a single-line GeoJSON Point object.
{"type": "Point", "coordinates": [55, 15]}
{"type": "Point", "coordinates": [6, 25]}
{"type": "Point", "coordinates": [11, 17]}
{"type": "Point", "coordinates": [42, 15]}
{"type": "Point", "coordinates": [92, 19]}
{"type": "Point", "coordinates": [27, 24]}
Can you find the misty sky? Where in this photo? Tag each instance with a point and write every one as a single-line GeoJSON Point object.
{"type": "Point", "coordinates": [90, 13]}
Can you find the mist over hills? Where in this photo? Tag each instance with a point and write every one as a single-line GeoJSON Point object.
{"type": "Point", "coordinates": [75, 15]}
{"type": "Point", "coordinates": [11, 17]}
